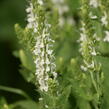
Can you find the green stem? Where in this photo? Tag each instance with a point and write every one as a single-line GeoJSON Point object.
{"type": "Point", "coordinates": [93, 81]}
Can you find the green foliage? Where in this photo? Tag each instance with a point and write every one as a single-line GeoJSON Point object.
{"type": "Point", "coordinates": [74, 88]}
{"type": "Point", "coordinates": [25, 104]}
{"type": "Point", "coordinates": [27, 67]}
{"type": "Point", "coordinates": [3, 103]}
{"type": "Point", "coordinates": [27, 42]}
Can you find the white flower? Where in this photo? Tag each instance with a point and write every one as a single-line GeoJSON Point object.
{"type": "Point", "coordinates": [83, 68]}
{"type": "Point", "coordinates": [104, 19]}
{"type": "Point", "coordinates": [91, 65]}
{"type": "Point", "coordinates": [49, 52]}
{"type": "Point", "coordinates": [61, 21]}
{"type": "Point", "coordinates": [70, 21]}
{"type": "Point", "coordinates": [96, 37]}
{"type": "Point", "coordinates": [106, 39]}
{"type": "Point", "coordinates": [54, 74]}
{"type": "Point", "coordinates": [92, 16]}
{"type": "Point", "coordinates": [46, 106]}
{"type": "Point", "coordinates": [47, 69]}
{"type": "Point", "coordinates": [62, 8]}
{"type": "Point", "coordinates": [57, 1]}
{"type": "Point", "coordinates": [82, 29]}
{"type": "Point", "coordinates": [40, 99]}
{"type": "Point", "coordinates": [47, 61]}
{"type": "Point", "coordinates": [35, 30]}
{"type": "Point", "coordinates": [94, 3]}
{"type": "Point", "coordinates": [29, 9]}
{"type": "Point", "coordinates": [40, 2]}
{"type": "Point", "coordinates": [41, 45]}
{"type": "Point", "coordinates": [93, 52]}
{"type": "Point", "coordinates": [29, 26]}
{"type": "Point", "coordinates": [31, 18]}
{"type": "Point", "coordinates": [83, 37]}
{"type": "Point", "coordinates": [42, 62]}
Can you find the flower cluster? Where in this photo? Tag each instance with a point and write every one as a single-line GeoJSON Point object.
{"type": "Point", "coordinates": [104, 21]}
{"type": "Point", "coordinates": [44, 58]}
{"type": "Point", "coordinates": [88, 47]}
{"type": "Point", "coordinates": [62, 8]}
{"type": "Point", "coordinates": [31, 18]}
{"type": "Point", "coordinates": [94, 3]}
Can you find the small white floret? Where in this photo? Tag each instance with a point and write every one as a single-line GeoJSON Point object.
{"type": "Point", "coordinates": [94, 3]}
{"type": "Point", "coordinates": [106, 39]}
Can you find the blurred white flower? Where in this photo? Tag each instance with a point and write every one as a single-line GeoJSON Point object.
{"type": "Point", "coordinates": [92, 16]}
{"type": "Point", "coordinates": [83, 68]}
{"type": "Point", "coordinates": [94, 3]}
{"type": "Point", "coordinates": [93, 52]}
{"type": "Point", "coordinates": [46, 106]}
{"type": "Point", "coordinates": [63, 8]}
{"type": "Point", "coordinates": [104, 19]}
{"type": "Point", "coordinates": [40, 2]}
{"type": "Point", "coordinates": [106, 39]}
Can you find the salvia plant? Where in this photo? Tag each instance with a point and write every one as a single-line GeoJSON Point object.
{"type": "Point", "coordinates": [65, 54]}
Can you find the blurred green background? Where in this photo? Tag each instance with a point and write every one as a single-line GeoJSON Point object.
{"type": "Point", "coordinates": [11, 12]}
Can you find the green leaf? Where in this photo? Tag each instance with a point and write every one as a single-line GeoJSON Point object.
{"type": "Point", "coordinates": [28, 75]}
{"type": "Point", "coordinates": [26, 59]}
{"type": "Point", "coordinates": [14, 90]}
{"type": "Point", "coordinates": [26, 104]}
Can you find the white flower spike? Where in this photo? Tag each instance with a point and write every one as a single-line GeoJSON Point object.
{"type": "Point", "coordinates": [44, 58]}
